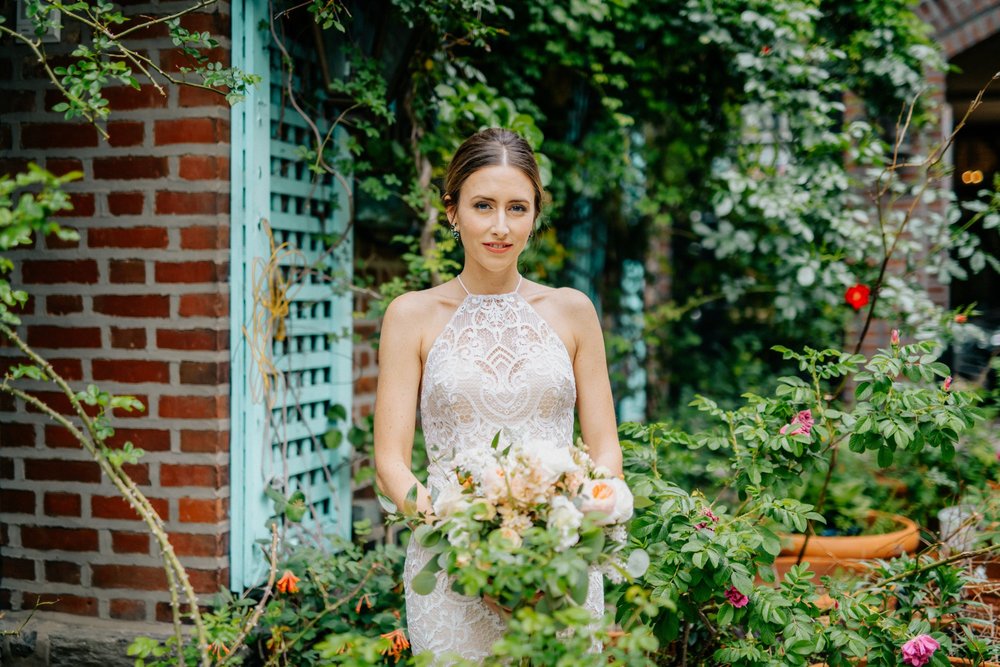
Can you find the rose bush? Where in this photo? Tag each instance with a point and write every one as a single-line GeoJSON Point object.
{"type": "Point", "coordinates": [713, 558]}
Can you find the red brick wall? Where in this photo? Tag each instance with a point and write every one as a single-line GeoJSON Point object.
{"type": "Point", "coordinates": [959, 24]}
{"type": "Point", "coordinates": [140, 306]}
{"type": "Point", "coordinates": [365, 368]}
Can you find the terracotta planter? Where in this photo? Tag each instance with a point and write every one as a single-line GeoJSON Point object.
{"type": "Point", "coordinates": [843, 547]}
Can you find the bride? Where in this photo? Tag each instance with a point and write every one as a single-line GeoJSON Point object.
{"type": "Point", "coordinates": [484, 353]}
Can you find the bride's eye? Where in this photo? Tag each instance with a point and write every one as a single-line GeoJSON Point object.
{"type": "Point", "coordinates": [481, 206]}
{"type": "Point", "coordinates": [519, 208]}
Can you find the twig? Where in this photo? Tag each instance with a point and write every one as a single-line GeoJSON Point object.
{"type": "Point", "coordinates": [200, 5]}
{"type": "Point", "coordinates": [122, 481]}
{"type": "Point", "coordinates": [258, 611]}
{"type": "Point", "coordinates": [944, 561]}
{"type": "Point", "coordinates": [16, 631]}
{"type": "Point", "coordinates": [35, 46]}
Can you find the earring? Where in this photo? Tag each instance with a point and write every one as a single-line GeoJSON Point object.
{"type": "Point", "coordinates": [454, 233]}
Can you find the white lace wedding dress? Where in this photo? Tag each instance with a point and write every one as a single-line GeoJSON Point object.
{"type": "Point", "coordinates": [496, 367]}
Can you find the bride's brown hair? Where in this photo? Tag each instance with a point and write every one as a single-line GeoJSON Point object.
{"type": "Point", "coordinates": [492, 147]}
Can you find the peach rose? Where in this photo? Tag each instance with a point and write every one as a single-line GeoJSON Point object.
{"type": "Point", "coordinates": [611, 497]}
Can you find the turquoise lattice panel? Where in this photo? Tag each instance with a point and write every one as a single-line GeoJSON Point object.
{"type": "Point", "coordinates": [278, 427]}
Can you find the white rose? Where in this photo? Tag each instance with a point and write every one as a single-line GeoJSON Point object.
{"type": "Point", "coordinates": [512, 535]}
{"type": "Point", "coordinates": [553, 461]}
{"type": "Point", "coordinates": [494, 483]}
{"type": "Point", "coordinates": [611, 497]}
{"type": "Point", "coordinates": [449, 501]}
{"type": "Point", "coordinates": [565, 518]}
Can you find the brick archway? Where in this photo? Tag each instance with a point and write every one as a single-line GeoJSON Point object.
{"type": "Point", "coordinates": [960, 24]}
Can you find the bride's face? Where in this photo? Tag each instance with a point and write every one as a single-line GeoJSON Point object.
{"type": "Point", "coordinates": [494, 215]}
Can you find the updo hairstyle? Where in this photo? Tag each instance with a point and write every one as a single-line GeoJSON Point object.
{"type": "Point", "coordinates": [491, 147]}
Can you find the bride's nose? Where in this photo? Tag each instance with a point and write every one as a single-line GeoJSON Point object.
{"type": "Point", "coordinates": [500, 226]}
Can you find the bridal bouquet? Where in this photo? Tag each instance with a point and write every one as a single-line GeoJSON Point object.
{"type": "Point", "coordinates": [526, 523]}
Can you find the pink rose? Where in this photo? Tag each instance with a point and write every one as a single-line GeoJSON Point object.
{"type": "Point", "coordinates": [704, 524]}
{"type": "Point", "coordinates": [802, 423]}
{"type": "Point", "coordinates": [894, 337]}
{"type": "Point", "coordinates": [610, 497]}
{"type": "Point", "coordinates": [947, 384]}
{"type": "Point", "coordinates": [736, 598]}
{"type": "Point", "coordinates": [918, 651]}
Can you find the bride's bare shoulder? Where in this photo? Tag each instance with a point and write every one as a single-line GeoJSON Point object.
{"type": "Point", "coordinates": [567, 301]}
{"type": "Point", "coordinates": [414, 307]}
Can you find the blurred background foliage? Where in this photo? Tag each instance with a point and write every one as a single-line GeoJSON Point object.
{"type": "Point", "coordinates": [707, 162]}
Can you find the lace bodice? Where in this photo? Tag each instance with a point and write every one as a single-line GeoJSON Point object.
{"type": "Point", "coordinates": [496, 367]}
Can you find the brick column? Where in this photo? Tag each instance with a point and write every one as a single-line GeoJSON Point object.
{"type": "Point", "coordinates": [138, 306]}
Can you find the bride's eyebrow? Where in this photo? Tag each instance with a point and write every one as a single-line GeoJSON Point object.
{"type": "Point", "coordinates": [491, 199]}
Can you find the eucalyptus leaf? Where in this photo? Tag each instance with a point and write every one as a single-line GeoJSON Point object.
{"type": "Point", "coordinates": [423, 583]}
{"type": "Point", "coordinates": [638, 563]}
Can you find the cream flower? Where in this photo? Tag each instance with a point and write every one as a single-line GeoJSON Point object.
{"type": "Point", "coordinates": [512, 535]}
{"type": "Point", "coordinates": [611, 497]}
{"type": "Point", "coordinates": [565, 518]}
{"type": "Point", "coordinates": [450, 500]}
{"type": "Point", "coordinates": [494, 483]}
{"type": "Point", "coordinates": [549, 459]}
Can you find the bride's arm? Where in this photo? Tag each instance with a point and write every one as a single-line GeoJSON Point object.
{"type": "Point", "coordinates": [396, 401]}
{"type": "Point", "coordinates": [595, 404]}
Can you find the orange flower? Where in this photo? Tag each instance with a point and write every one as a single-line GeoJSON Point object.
{"type": "Point", "coordinates": [961, 319]}
{"type": "Point", "coordinates": [218, 649]}
{"type": "Point", "coordinates": [288, 583]}
{"type": "Point", "coordinates": [857, 296]}
{"type": "Point", "coordinates": [363, 600]}
{"type": "Point", "coordinates": [399, 643]}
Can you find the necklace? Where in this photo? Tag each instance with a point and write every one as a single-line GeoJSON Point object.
{"type": "Point", "coordinates": [520, 278]}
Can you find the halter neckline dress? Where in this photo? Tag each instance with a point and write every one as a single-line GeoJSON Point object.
{"type": "Point", "coordinates": [496, 367]}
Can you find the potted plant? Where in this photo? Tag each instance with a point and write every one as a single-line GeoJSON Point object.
{"type": "Point", "coordinates": [858, 519]}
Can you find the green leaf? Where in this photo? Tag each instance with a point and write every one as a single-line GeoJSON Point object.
{"type": "Point", "coordinates": [641, 502]}
{"type": "Point", "coordinates": [885, 456]}
{"type": "Point", "coordinates": [742, 583]}
{"type": "Point", "coordinates": [637, 564]}
{"type": "Point", "coordinates": [296, 508]}
{"type": "Point", "coordinates": [424, 583]}
{"type": "Point", "coordinates": [333, 438]}
{"type": "Point", "coordinates": [426, 535]}
{"type": "Point", "coordinates": [28, 371]}
{"type": "Point", "coordinates": [578, 589]}
{"type": "Point", "coordinates": [770, 542]}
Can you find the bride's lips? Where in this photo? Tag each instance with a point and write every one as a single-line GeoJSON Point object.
{"type": "Point", "coordinates": [498, 248]}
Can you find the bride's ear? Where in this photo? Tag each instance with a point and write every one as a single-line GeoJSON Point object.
{"type": "Point", "coordinates": [449, 209]}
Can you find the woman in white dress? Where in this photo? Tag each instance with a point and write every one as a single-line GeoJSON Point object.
{"type": "Point", "coordinates": [484, 353]}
